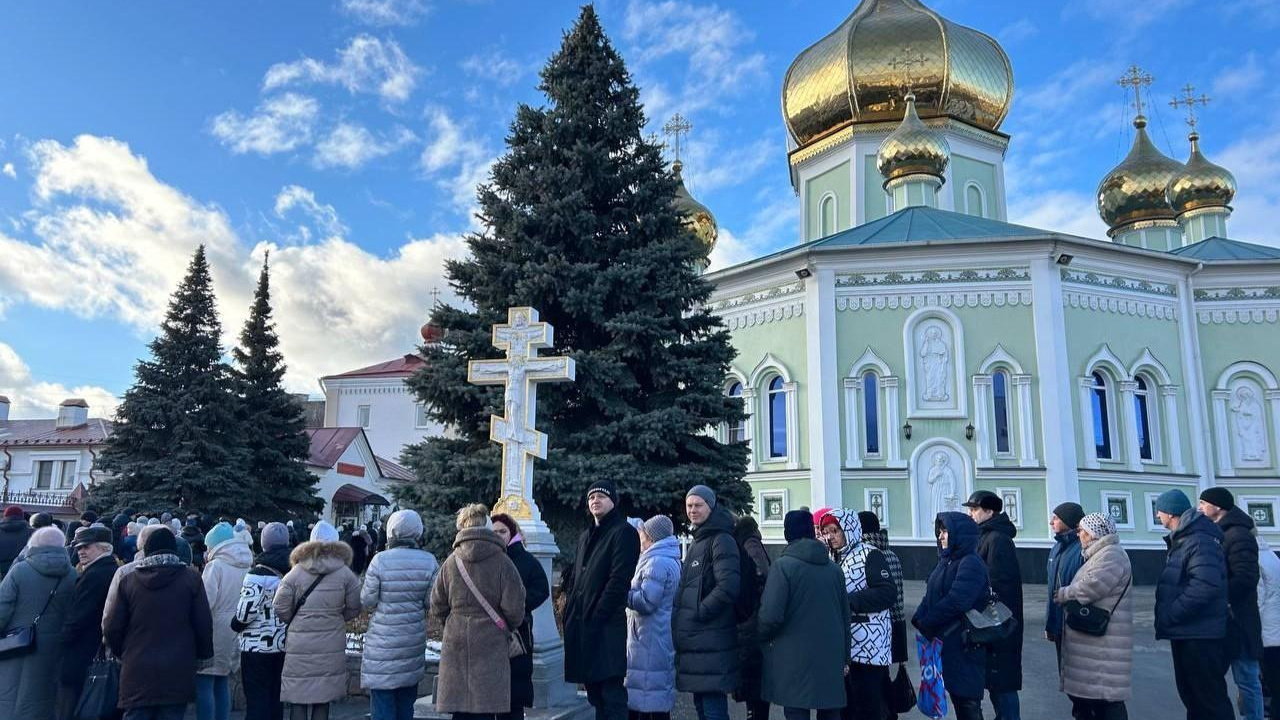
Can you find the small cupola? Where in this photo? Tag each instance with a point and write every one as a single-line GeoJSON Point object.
{"type": "Point", "coordinates": [73, 413]}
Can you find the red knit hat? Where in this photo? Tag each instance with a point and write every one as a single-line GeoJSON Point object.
{"type": "Point", "coordinates": [819, 514]}
{"type": "Point", "coordinates": [13, 511]}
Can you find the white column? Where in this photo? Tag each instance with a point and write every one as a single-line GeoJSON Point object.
{"type": "Point", "coordinates": [749, 427]}
{"type": "Point", "coordinates": [1026, 422]}
{"type": "Point", "coordinates": [1273, 399]}
{"type": "Point", "coordinates": [1062, 479]}
{"type": "Point", "coordinates": [1169, 394]}
{"type": "Point", "coordinates": [852, 407]}
{"type": "Point", "coordinates": [822, 397]}
{"type": "Point", "coordinates": [1193, 380]}
{"type": "Point", "coordinates": [1086, 423]}
{"type": "Point", "coordinates": [793, 426]}
{"type": "Point", "coordinates": [1128, 416]}
{"type": "Point", "coordinates": [891, 438]}
{"type": "Point", "coordinates": [1220, 432]}
{"type": "Point", "coordinates": [982, 437]}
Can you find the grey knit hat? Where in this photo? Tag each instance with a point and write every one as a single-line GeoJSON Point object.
{"type": "Point", "coordinates": [274, 535]}
{"type": "Point", "coordinates": [705, 493]}
{"type": "Point", "coordinates": [659, 527]}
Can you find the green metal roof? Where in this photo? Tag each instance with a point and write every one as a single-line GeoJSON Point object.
{"type": "Point", "coordinates": [1216, 248]}
{"type": "Point", "coordinates": [925, 224]}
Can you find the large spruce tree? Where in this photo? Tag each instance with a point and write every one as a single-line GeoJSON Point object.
{"type": "Point", "coordinates": [177, 442]}
{"type": "Point", "coordinates": [578, 223]}
{"type": "Point", "coordinates": [272, 420]}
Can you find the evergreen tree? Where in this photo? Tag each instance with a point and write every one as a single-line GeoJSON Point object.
{"type": "Point", "coordinates": [272, 420]}
{"type": "Point", "coordinates": [578, 223]}
{"type": "Point", "coordinates": [177, 442]}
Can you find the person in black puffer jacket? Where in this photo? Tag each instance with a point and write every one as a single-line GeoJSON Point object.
{"type": "Point", "coordinates": [746, 532]}
{"type": "Point", "coordinates": [996, 548]}
{"type": "Point", "coordinates": [14, 533]}
{"type": "Point", "coordinates": [957, 585]}
{"type": "Point", "coordinates": [704, 621]}
{"type": "Point", "coordinates": [193, 536]}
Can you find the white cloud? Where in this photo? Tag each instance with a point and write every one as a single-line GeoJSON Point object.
{"type": "Point", "coordinates": [1241, 79]}
{"type": "Point", "coordinates": [280, 124]}
{"type": "Point", "coordinates": [296, 197]}
{"type": "Point", "coordinates": [709, 167]}
{"type": "Point", "coordinates": [32, 398]}
{"type": "Point", "coordinates": [9, 170]}
{"type": "Point", "coordinates": [1126, 16]}
{"type": "Point", "coordinates": [109, 239]}
{"type": "Point", "coordinates": [1017, 31]}
{"type": "Point", "coordinates": [451, 147]}
{"type": "Point", "coordinates": [365, 65]}
{"type": "Point", "coordinates": [771, 228]}
{"type": "Point", "coordinates": [1254, 159]}
{"type": "Point", "coordinates": [494, 67]}
{"type": "Point", "coordinates": [385, 12]}
{"type": "Point", "coordinates": [350, 146]}
{"type": "Point", "coordinates": [1065, 211]}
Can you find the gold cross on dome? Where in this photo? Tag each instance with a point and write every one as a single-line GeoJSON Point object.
{"type": "Point", "coordinates": [1137, 79]}
{"type": "Point", "coordinates": [1189, 101]}
{"type": "Point", "coordinates": [676, 127]}
{"type": "Point", "coordinates": [902, 65]}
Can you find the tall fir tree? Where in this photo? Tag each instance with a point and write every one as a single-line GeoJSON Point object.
{"type": "Point", "coordinates": [272, 420]}
{"type": "Point", "coordinates": [578, 223]}
{"type": "Point", "coordinates": [177, 442]}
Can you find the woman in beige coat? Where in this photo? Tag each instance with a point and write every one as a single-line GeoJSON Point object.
{"type": "Point", "coordinates": [475, 671]}
{"type": "Point", "coordinates": [316, 599]}
{"type": "Point", "coordinates": [1096, 670]}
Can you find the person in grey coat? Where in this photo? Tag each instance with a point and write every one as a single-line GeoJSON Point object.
{"type": "Point", "coordinates": [651, 668]}
{"type": "Point", "coordinates": [41, 586]}
{"type": "Point", "coordinates": [804, 626]}
{"type": "Point", "coordinates": [397, 594]}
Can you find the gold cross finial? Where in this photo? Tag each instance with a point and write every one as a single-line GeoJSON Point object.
{"type": "Point", "coordinates": [902, 64]}
{"type": "Point", "coordinates": [1189, 101]}
{"type": "Point", "coordinates": [1137, 79]}
{"type": "Point", "coordinates": [435, 296]}
{"type": "Point", "coordinates": [676, 127]}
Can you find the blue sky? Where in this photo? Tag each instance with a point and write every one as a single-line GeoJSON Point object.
{"type": "Point", "coordinates": [347, 136]}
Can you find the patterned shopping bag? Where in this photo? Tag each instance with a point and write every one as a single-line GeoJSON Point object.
{"type": "Point", "coordinates": [932, 699]}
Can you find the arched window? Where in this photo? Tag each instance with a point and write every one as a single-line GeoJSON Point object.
{"type": "Point", "coordinates": [871, 411]}
{"type": "Point", "coordinates": [1101, 420]}
{"type": "Point", "coordinates": [974, 202]}
{"type": "Point", "coordinates": [1142, 415]}
{"type": "Point", "coordinates": [777, 419]}
{"type": "Point", "coordinates": [827, 216]}
{"type": "Point", "coordinates": [737, 430]}
{"type": "Point", "coordinates": [1000, 399]}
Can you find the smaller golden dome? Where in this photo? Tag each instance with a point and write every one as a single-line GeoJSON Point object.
{"type": "Point", "coordinates": [1135, 189]}
{"type": "Point", "coordinates": [697, 217]}
{"type": "Point", "coordinates": [913, 149]}
{"type": "Point", "coordinates": [1200, 184]}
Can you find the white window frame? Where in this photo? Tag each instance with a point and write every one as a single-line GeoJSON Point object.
{"type": "Point", "coordinates": [765, 496]}
{"type": "Point", "coordinates": [1003, 493]}
{"type": "Point", "coordinates": [1150, 508]}
{"type": "Point", "coordinates": [36, 465]}
{"type": "Point", "coordinates": [868, 493]}
{"type": "Point", "coordinates": [763, 374]}
{"type": "Point", "coordinates": [1155, 421]}
{"type": "Point", "coordinates": [726, 428]}
{"type": "Point", "coordinates": [1243, 502]}
{"type": "Point", "coordinates": [1008, 413]}
{"type": "Point", "coordinates": [822, 214]}
{"type": "Point", "coordinates": [366, 421]}
{"type": "Point", "coordinates": [982, 199]}
{"type": "Point", "coordinates": [1108, 495]}
{"type": "Point", "coordinates": [1088, 385]}
{"type": "Point", "coordinates": [420, 420]}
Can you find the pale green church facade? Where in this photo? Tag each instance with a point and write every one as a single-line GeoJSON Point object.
{"type": "Point", "coordinates": [913, 346]}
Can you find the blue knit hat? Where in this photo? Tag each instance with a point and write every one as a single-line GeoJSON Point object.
{"type": "Point", "coordinates": [219, 534]}
{"type": "Point", "coordinates": [1173, 502]}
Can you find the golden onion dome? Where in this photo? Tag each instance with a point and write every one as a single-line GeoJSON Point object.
{"type": "Point", "coordinates": [1200, 183]}
{"type": "Point", "coordinates": [856, 74]}
{"type": "Point", "coordinates": [913, 149]}
{"type": "Point", "coordinates": [696, 216]}
{"type": "Point", "coordinates": [1135, 189]}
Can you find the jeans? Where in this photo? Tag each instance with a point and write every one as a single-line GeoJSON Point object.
{"type": "Point", "coordinates": [1006, 706]}
{"type": "Point", "coordinates": [791, 713]}
{"type": "Point", "coordinates": [711, 706]}
{"type": "Point", "coordinates": [609, 698]}
{"type": "Point", "coordinates": [1199, 673]}
{"type": "Point", "coordinates": [394, 704]}
{"type": "Point", "coordinates": [260, 673]}
{"type": "Point", "coordinates": [213, 697]}
{"type": "Point", "coordinates": [1246, 673]}
{"type": "Point", "coordinates": [1088, 709]}
{"type": "Point", "coordinates": [1271, 676]}
{"type": "Point", "coordinates": [156, 712]}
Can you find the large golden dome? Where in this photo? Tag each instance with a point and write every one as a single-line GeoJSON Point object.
{"type": "Point", "coordinates": [1135, 189]}
{"type": "Point", "coordinates": [1200, 183]}
{"type": "Point", "coordinates": [696, 216]}
{"type": "Point", "coordinates": [856, 74]}
{"type": "Point", "coordinates": [913, 149]}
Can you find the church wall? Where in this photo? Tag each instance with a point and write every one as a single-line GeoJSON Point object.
{"type": "Point", "coordinates": [967, 172]}
{"type": "Point", "coordinates": [834, 182]}
{"type": "Point", "coordinates": [874, 198]}
{"type": "Point", "coordinates": [774, 497]}
{"type": "Point", "coordinates": [1245, 352]}
{"type": "Point", "coordinates": [760, 349]}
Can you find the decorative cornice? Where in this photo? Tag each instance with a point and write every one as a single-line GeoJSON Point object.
{"type": "Point", "coordinates": [760, 307]}
{"type": "Point", "coordinates": [929, 277]}
{"type": "Point", "coordinates": [841, 137]}
{"type": "Point", "coordinates": [1120, 305]}
{"type": "Point", "coordinates": [757, 296]}
{"type": "Point", "coordinates": [1242, 316]}
{"type": "Point", "coordinates": [1117, 282]}
{"type": "Point", "coordinates": [1237, 294]}
{"type": "Point", "coordinates": [958, 299]}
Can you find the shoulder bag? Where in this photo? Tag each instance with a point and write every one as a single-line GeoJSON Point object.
{"type": "Point", "coordinates": [1088, 619]}
{"type": "Point", "coordinates": [515, 646]}
{"type": "Point", "coordinates": [22, 641]}
{"type": "Point", "coordinates": [101, 689]}
{"type": "Point", "coordinates": [993, 622]}
{"type": "Point", "coordinates": [303, 600]}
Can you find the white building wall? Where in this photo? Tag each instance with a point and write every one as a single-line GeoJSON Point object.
{"type": "Point", "coordinates": [356, 456]}
{"type": "Point", "coordinates": [23, 467]}
{"type": "Point", "coordinates": [393, 412]}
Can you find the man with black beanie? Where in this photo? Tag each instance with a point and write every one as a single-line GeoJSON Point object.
{"type": "Point", "coordinates": [1064, 561]}
{"type": "Point", "coordinates": [595, 621]}
{"type": "Point", "coordinates": [1244, 623]}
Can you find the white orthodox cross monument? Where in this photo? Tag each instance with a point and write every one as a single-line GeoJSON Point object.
{"type": "Point", "coordinates": [520, 373]}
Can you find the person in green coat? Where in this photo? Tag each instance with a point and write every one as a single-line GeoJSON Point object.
{"type": "Point", "coordinates": [804, 626]}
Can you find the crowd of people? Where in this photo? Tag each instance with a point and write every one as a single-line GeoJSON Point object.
{"type": "Point", "coordinates": [817, 629]}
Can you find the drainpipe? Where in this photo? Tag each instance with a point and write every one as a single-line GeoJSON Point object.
{"type": "Point", "coordinates": [8, 464]}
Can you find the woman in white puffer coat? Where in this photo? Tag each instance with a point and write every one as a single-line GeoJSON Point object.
{"type": "Point", "coordinates": [1269, 608]}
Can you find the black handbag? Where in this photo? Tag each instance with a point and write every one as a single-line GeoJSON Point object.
{"type": "Point", "coordinates": [902, 694]}
{"type": "Point", "coordinates": [993, 622]}
{"type": "Point", "coordinates": [101, 688]}
{"type": "Point", "coordinates": [1088, 619]}
{"type": "Point", "coordinates": [22, 641]}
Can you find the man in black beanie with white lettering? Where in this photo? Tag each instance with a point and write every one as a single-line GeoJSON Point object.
{"type": "Point", "coordinates": [595, 620]}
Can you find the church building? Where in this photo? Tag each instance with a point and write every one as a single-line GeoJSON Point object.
{"type": "Point", "coordinates": [915, 346]}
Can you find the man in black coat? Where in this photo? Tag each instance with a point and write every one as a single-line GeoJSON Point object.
{"type": "Point", "coordinates": [1244, 622]}
{"type": "Point", "coordinates": [703, 619]}
{"type": "Point", "coordinates": [595, 620]}
{"type": "Point", "coordinates": [82, 629]}
{"type": "Point", "coordinates": [996, 548]}
{"type": "Point", "coordinates": [14, 533]}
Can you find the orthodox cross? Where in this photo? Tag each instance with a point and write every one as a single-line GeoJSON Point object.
{"type": "Point", "coordinates": [520, 373]}
{"type": "Point", "coordinates": [1189, 101]}
{"type": "Point", "coordinates": [902, 64]}
{"type": "Point", "coordinates": [675, 128]}
{"type": "Point", "coordinates": [1136, 79]}
{"type": "Point", "coordinates": [435, 296]}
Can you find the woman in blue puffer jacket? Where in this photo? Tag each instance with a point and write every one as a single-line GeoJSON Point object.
{"type": "Point", "coordinates": [957, 585]}
{"type": "Point", "coordinates": [651, 653]}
